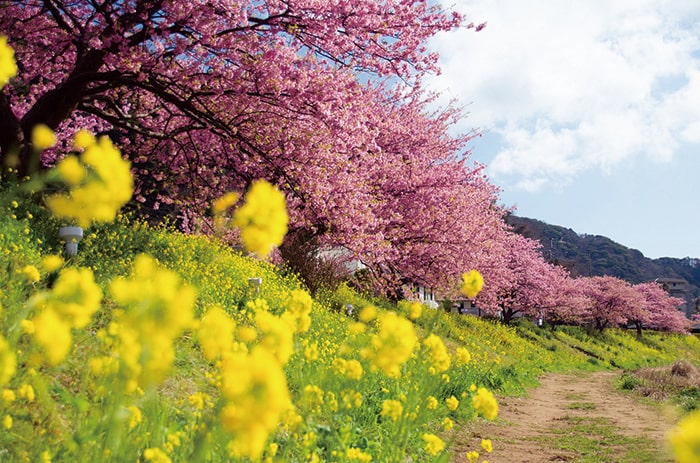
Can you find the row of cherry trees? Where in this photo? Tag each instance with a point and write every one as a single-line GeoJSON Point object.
{"type": "Point", "coordinates": [520, 282]}
{"type": "Point", "coordinates": [321, 98]}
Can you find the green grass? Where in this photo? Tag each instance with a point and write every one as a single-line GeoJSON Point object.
{"type": "Point", "coordinates": [581, 406]}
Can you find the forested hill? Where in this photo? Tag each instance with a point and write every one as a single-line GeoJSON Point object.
{"type": "Point", "coordinates": [588, 255]}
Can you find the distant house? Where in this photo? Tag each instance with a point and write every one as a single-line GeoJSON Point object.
{"type": "Point", "coordinates": [423, 294]}
{"type": "Point", "coordinates": [677, 287]}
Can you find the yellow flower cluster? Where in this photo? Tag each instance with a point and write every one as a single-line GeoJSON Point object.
{"type": "Point", "coordinates": [70, 304]}
{"type": "Point", "coordinates": [472, 282]}
{"type": "Point", "coordinates": [452, 403]}
{"type": "Point", "coordinates": [437, 353]}
{"type": "Point", "coordinates": [299, 310]}
{"type": "Point", "coordinates": [8, 362]}
{"type": "Point", "coordinates": [433, 444]}
{"type": "Point", "coordinates": [32, 273]}
{"type": "Point", "coordinates": [156, 455]}
{"type": "Point", "coordinates": [351, 398]}
{"type": "Point", "coordinates": [8, 66]}
{"type": "Point", "coordinates": [393, 344]}
{"type": "Point", "coordinates": [158, 308]}
{"type": "Point", "coordinates": [485, 403]}
{"type": "Point", "coordinates": [221, 204]}
{"type": "Point", "coordinates": [215, 333]}
{"type": "Point", "coordinates": [351, 369]}
{"type": "Point", "coordinates": [255, 388]}
{"type": "Point", "coordinates": [685, 439]}
{"type": "Point", "coordinates": [278, 335]}
{"type": "Point", "coordinates": [463, 356]}
{"type": "Point", "coordinates": [392, 409]}
{"type": "Point", "coordinates": [447, 424]}
{"type": "Point", "coordinates": [367, 314]}
{"type": "Point", "coordinates": [42, 137]}
{"type": "Point", "coordinates": [262, 219]}
{"type": "Point", "coordinates": [100, 182]}
{"type": "Point", "coordinates": [355, 454]}
{"type": "Point", "coordinates": [432, 403]}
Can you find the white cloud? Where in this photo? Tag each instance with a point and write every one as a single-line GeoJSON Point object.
{"type": "Point", "coordinates": [573, 85]}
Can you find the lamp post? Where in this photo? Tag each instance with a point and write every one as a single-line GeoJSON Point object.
{"type": "Point", "coordinates": [255, 283]}
{"type": "Point", "coordinates": [71, 236]}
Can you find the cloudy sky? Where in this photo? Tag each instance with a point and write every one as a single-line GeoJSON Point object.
{"type": "Point", "coordinates": [590, 112]}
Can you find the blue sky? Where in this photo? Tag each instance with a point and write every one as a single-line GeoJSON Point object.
{"type": "Point", "coordinates": [590, 111]}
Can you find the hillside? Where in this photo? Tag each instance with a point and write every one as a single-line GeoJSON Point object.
{"type": "Point", "coordinates": [588, 255]}
{"type": "Point", "coordinates": [165, 348]}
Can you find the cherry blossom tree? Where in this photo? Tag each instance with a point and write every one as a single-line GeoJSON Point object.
{"type": "Point", "coordinates": [518, 281]}
{"type": "Point", "coordinates": [612, 302]}
{"type": "Point", "coordinates": [660, 310]}
{"type": "Point", "coordinates": [322, 99]}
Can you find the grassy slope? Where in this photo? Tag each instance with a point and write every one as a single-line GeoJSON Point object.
{"type": "Point", "coordinates": [504, 359]}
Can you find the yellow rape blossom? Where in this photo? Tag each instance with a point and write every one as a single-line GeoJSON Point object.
{"type": "Point", "coordinates": [75, 296]}
{"type": "Point", "coordinates": [135, 416]}
{"type": "Point", "coordinates": [353, 369]}
{"type": "Point", "coordinates": [26, 391]}
{"type": "Point", "coordinates": [392, 409]}
{"type": "Point", "coordinates": [415, 310]}
{"type": "Point", "coordinates": [8, 362]}
{"type": "Point", "coordinates": [472, 456]}
{"type": "Point", "coordinates": [351, 399]}
{"type": "Point", "coordinates": [106, 188]}
{"type": "Point", "coordinates": [368, 314]}
{"type": "Point", "coordinates": [7, 422]}
{"type": "Point", "coordinates": [82, 140]}
{"type": "Point", "coordinates": [472, 282]}
{"type": "Point", "coordinates": [31, 273]}
{"type": "Point", "coordinates": [43, 137]}
{"type": "Point", "coordinates": [685, 439]}
{"type": "Point", "coordinates": [215, 333]}
{"type": "Point", "coordinates": [224, 202]}
{"type": "Point", "coordinates": [52, 333]}
{"type": "Point", "coordinates": [357, 455]}
{"type": "Point", "coordinates": [485, 404]}
{"type": "Point", "coordinates": [156, 455]}
{"type": "Point", "coordinates": [311, 352]}
{"type": "Point", "coordinates": [298, 310]}
{"type": "Point", "coordinates": [8, 395]}
{"type": "Point", "coordinates": [262, 219]}
{"type": "Point", "coordinates": [71, 170]}
{"type": "Point", "coordinates": [312, 397]}
{"type": "Point", "coordinates": [487, 445]}
{"type": "Point", "coordinates": [246, 334]}
{"type": "Point", "coordinates": [393, 344]}
{"type": "Point", "coordinates": [432, 403]}
{"type": "Point", "coordinates": [447, 424]}
{"type": "Point", "coordinates": [278, 335]}
{"type": "Point", "coordinates": [452, 402]}
{"type": "Point", "coordinates": [463, 356]}
{"type": "Point", "coordinates": [433, 444]}
{"type": "Point", "coordinates": [51, 262]}
{"type": "Point", "coordinates": [160, 308]}
{"type": "Point", "coordinates": [255, 388]}
{"type": "Point", "coordinates": [8, 65]}
{"type": "Point", "coordinates": [437, 353]}
{"type": "Point", "coordinates": [72, 301]}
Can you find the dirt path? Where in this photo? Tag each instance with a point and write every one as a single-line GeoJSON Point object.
{"type": "Point", "coordinates": [572, 418]}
